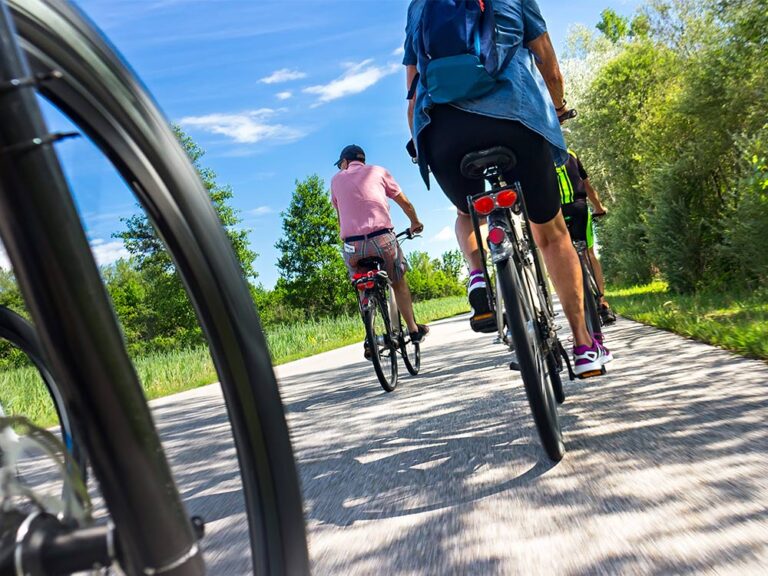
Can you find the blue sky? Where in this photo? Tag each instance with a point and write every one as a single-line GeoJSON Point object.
{"type": "Point", "coordinates": [272, 90]}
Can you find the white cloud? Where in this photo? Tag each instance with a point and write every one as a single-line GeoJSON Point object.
{"type": "Point", "coordinates": [260, 211]}
{"type": "Point", "coordinates": [444, 235]}
{"type": "Point", "coordinates": [398, 51]}
{"type": "Point", "coordinates": [284, 95]}
{"type": "Point", "coordinates": [283, 75]}
{"type": "Point", "coordinates": [247, 127]}
{"type": "Point", "coordinates": [355, 79]}
{"type": "Point", "coordinates": [108, 252]}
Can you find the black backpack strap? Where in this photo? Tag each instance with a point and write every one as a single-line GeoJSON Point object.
{"type": "Point", "coordinates": [507, 59]}
{"type": "Point", "coordinates": [414, 85]}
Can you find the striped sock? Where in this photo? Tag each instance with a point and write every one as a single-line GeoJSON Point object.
{"type": "Point", "coordinates": [475, 277]}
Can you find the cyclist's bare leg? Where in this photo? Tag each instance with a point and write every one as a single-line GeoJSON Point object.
{"type": "Point", "coordinates": [599, 278]}
{"type": "Point", "coordinates": [465, 234]}
{"type": "Point", "coordinates": [405, 303]}
{"type": "Point", "coordinates": [564, 269]}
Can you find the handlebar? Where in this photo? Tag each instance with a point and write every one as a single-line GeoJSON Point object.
{"type": "Point", "coordinates": [407, 234]}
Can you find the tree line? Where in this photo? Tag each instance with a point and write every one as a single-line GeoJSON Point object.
{"type": "Point", "coordinates": [673, 129]}
{"type": "Point", "coordinates": [152, 305]}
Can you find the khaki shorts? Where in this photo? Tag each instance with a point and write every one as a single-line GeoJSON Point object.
{"type": "Point", "coordinates": [385, 247]}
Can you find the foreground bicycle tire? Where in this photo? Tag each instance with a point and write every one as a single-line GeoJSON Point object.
{"type": "Point", "coordinates": [555, 366]}
{"type": "Point", "coordinates": [533, 368]}
{"type": "Point", "coordinates": [554, 360]}
{"type": "Point", "coordinates": [378, 333]}
{"type": "Point", "coordinates": [106, 101]}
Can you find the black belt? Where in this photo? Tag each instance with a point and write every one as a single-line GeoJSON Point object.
{"type": "Point", "coordinates": [368, 236]}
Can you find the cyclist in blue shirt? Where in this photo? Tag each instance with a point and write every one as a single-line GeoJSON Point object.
{"type": "Point", "coordinates": [522, 113]}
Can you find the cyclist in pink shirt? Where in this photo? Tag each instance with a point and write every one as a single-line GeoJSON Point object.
{"type": "Point", "coordinates": [360, 194]}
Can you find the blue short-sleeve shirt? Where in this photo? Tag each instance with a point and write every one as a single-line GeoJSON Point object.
{"type": "Point", "coordinates": [521, 94]}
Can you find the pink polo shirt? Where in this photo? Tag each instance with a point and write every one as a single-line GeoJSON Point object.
{"type": "Point", "coordinates": [359, 195]}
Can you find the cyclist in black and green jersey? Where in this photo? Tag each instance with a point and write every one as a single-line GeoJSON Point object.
{"type": "Point", "coordinates": [575, 190]}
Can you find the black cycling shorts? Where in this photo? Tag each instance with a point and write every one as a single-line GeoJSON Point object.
{"type": "Point", "coordinates": [579, 221]}
{"type": "Point", "coordinates": [452, 133]}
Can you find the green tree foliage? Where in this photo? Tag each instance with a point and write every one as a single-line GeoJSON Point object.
{"type": "Point", "coordinates": [313, 276]}
{"type": "Point", "coordinates": [434, 278]}
{"type": "Point", "coordinates": [452, 264]}
{"type": "Point", "coordinates": [672, 129]}
{"type": "Point", "coordinates": [148, 294]}
{"type": "Point", "coordinates": [613, 26]}
{"type": "Point", "coordinates": [10, 297]}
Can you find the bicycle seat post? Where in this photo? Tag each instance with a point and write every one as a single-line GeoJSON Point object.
{"type": "Point", "coordinates": [495, 177]}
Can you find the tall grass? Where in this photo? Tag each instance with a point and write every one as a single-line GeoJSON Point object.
{"type": "Point", "coordinates": [23, 392]}
{"type": "Point", "coordinates": [735, 320]}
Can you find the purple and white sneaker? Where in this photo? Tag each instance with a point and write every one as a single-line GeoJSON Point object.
{"type": "Point", "coordinates": [589, 361]}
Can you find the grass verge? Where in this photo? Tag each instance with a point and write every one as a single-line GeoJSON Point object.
{"type": "Point", "coordinates": [734, 321]}
{"type": "Point", "coordinates": [22, 391]}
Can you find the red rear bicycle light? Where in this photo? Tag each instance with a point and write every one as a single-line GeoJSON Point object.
{"type": "Point", "coordinates": [506, 198]}
{"type": "Point", "coordinates": [360, 286]}
{"type": "Point", "coordinates": [484, 205]}
{"type": "Point", "coordinates": [370, 284]}
{"type": "Point", "coordinates": [496, 235]}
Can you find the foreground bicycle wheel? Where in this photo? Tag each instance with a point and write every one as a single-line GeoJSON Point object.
{"type": "Point", "coordinates": [103, 98]}
{"type": "Point", "coordinates": [534, 368]}
{"type": "Point", "coordinates": [555, 367]}
{"type": "Point", "coordinates": [378, 333]}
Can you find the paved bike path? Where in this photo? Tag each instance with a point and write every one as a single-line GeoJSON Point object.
{"type": "Point", "coordinates": [665, 471]}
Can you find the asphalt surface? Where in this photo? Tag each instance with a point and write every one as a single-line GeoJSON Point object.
{"type": "Point", "coordinates": [666, 470]}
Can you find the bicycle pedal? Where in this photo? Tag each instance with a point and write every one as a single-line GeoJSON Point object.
{"type": "Point", "coordinates": [592, 374]}
{"type": "Point", "coordinates": [484, 323]}
{"type": "Point", "coordinates": [514, 365]}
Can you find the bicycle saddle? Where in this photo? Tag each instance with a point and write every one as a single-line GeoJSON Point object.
{"type": "Point", "coordinates": [372, 263]}
{"type": "Point", "coordinates": [474, 164]}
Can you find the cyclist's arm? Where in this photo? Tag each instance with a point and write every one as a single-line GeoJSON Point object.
{"type": "Point", "coordinates": [594, 197]}
{"type": "Point", "coordinates": [402, 201]}
{"type": "Point", "coordinates": [546, 61]}
{"type": "Point", "coordinates": [410, 74]}
{"type": "Point", "coordinates": [335, 205]}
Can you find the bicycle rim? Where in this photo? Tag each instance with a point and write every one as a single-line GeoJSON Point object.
{"type": "Point", "coordinates": [105, 100]}
{"type": "Point", "coordinates": [383, 351]}
{"type": "Point", "coordinates": [533, 365]}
